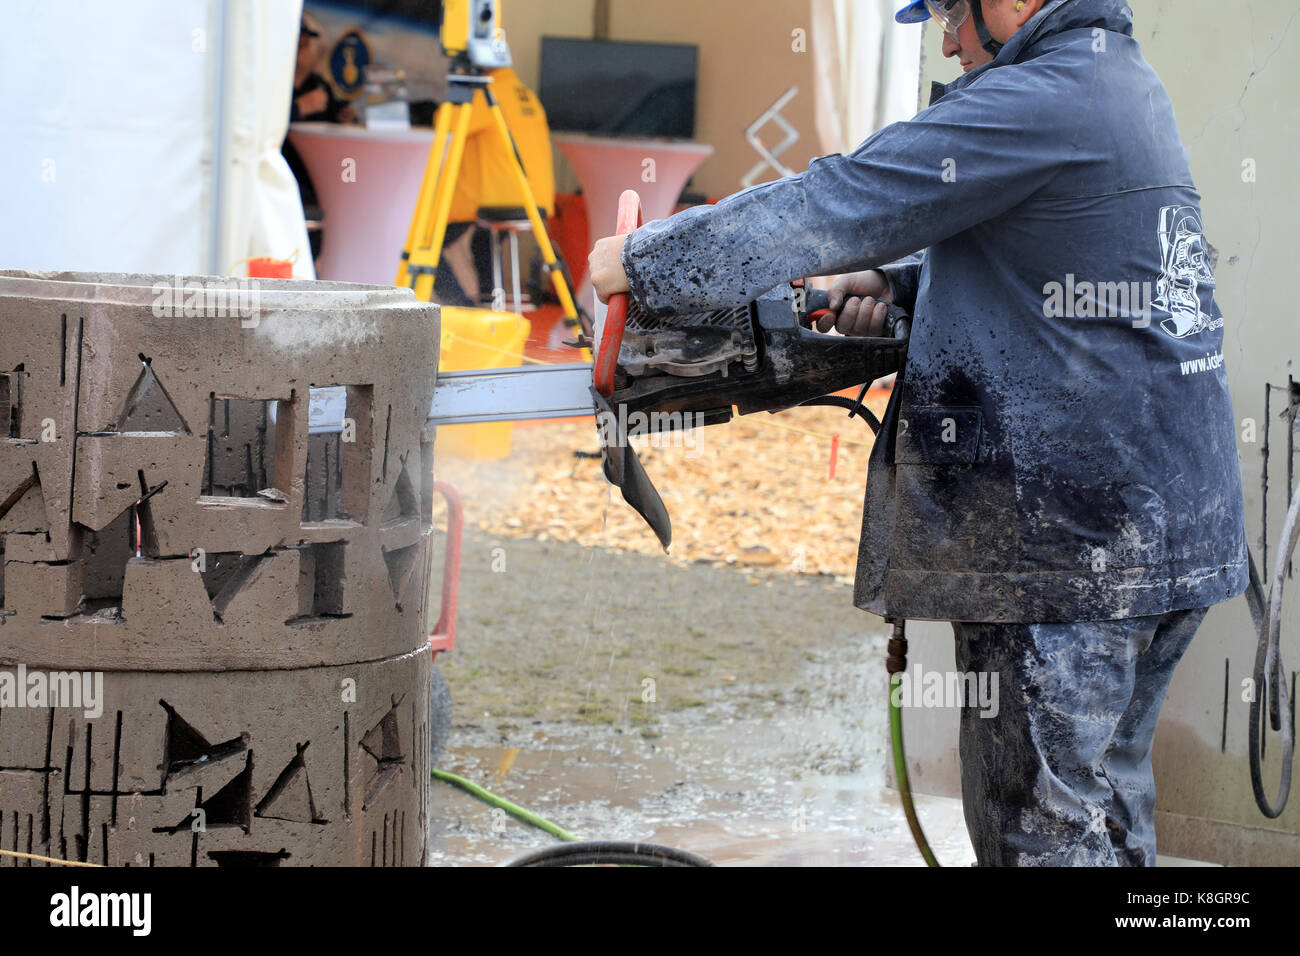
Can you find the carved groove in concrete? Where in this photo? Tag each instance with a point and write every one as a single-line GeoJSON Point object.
{"type": "Point", "coordinates": [255, 594]}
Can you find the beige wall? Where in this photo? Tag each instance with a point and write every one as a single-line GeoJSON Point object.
{"type": "Point", "coordinates": [1232, 88]}
{"type": "Point", "coordinates": [746, 62]}
{"type": "Point", "coordinates": [527, 21]}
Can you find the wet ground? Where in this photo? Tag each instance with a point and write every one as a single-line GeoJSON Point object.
{"type": "Point", "coordinates": [735, 713]}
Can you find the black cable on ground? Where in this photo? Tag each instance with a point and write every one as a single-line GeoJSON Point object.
{"type": "Point", "coordinates": [608, 853]}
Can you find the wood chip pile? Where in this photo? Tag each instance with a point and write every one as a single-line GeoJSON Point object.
{"type": "Point", "coordinates": [754, 492]}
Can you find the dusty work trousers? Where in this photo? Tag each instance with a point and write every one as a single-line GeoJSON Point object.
{"type": "Point", "coordinates": [1061, 776]}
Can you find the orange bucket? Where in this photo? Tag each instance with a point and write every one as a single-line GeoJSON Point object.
{"type": "Point", "coordinates": [264, 267]}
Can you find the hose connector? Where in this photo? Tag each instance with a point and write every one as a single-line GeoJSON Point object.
{"type": "Point", "coordinates": [896, 661]}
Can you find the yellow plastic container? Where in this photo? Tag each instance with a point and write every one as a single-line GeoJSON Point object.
{"type": "Point", "coordinates": [479, 338]}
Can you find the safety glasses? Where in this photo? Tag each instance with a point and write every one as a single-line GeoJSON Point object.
{"type": "Point", "coordinates": [949, 14]}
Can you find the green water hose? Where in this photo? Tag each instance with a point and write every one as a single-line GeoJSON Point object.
{"type": "Point", "coordinates": [896, 663]}
{"type": "Point", "coordinates": [572, 851]}
{"type": "Point", "coordinates": [516, 811]}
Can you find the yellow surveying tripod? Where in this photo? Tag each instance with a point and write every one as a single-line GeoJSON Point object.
{"type": "Point", "coordinates": [428, 229]}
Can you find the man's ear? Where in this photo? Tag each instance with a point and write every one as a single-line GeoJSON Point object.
{"type": "Point", "coordinates": [1006, 17]}
{"type": "Point", "coordinates": [1024, 10]}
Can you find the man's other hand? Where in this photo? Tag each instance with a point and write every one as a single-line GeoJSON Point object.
{"type": "Point", "coordinates": [860, 303]}
{"type": "Point", "coordinates": [605, 266]}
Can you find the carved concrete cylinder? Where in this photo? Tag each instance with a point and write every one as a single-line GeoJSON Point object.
{"type": "Point", "coordinates": [214, 610]}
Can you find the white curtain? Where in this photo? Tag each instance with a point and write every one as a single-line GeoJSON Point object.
{"type": "Point", "coordinates": [116, 157]}
{"type": "Point", "coordinates": [260, 209]}
{"type": "Point", "coordinates": [867, 69]}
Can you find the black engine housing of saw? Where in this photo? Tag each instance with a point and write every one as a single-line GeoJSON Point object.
{"type": "Point", "coordinates": [758, 357]}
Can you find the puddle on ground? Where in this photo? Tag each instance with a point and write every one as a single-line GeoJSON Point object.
{"type": "Point", "coordinates": [802, 784]}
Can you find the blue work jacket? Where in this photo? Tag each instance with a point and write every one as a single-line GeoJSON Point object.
{"type": "Point", "coordinates": [1060, 445]}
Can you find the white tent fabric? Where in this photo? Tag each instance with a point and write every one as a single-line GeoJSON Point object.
{"type": "Point", "coordinates": [259, 194]}
{"type": "Point", "coordinates": [867, 69]}
{"type": "Point", "coordinates": [113, 129]}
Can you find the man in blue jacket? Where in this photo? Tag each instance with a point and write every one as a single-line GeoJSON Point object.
{"type": "Point", "coordinates": [1057, 473]}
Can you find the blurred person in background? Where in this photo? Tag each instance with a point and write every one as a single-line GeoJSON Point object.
{"type": "Point", "coordinates": [314, 100]}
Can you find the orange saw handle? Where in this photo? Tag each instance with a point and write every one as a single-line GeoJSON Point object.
{"type": "Point", "coordinates": [611, 335]}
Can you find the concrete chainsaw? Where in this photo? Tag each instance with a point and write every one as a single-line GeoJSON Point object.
{"type": "Point", "coordinates": [657, 374]}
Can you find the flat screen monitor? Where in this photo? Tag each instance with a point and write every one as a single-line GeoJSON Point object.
{"type": "Point", "coordinates": [618, 88]}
